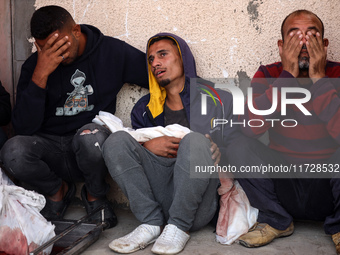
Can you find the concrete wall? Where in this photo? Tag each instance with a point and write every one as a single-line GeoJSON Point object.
{"type": "Point", "coordinates": [5, 46]}
{"type": "Point", "coordinates": [21, 14]}
{"type": "Point", "coordinates": [14, 44]}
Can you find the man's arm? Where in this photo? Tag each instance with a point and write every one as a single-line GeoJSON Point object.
{"type": "Point", "coordinates": [29, 110]}
{"type": "Point", "coordinates": [289, 52]}
{"type": "Point", "coordinates": [164, 146]}
{"type": "Point", "coordinates": [49, 58]}
{"type": "Point", "coordinates": [263, 84]}
{"type": "Point", "coordinates": [138, 112]}
{"type": "Point", "coordinates": [215, 150]}
{"type": "Point", "coordinates": [230, 132]}
{"type": "Point", "coordinates": [326, 105]}
{"type": "Point", "coordinates": [317, 50]}
{"type": "Point", "coordinates": [262, 98]}
{"type": "Point", "coordinates": [135, 69]}
{"type": "Point", "coordinates": [325, 97]}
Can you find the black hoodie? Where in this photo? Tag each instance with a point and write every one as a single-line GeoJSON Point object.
{"type": "Point", "coordinates": [75, 93]}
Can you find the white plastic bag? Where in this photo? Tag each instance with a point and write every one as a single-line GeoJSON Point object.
{"type": "Point", "coordinates": [236, 215]}
{"type": "Point", "coordinates": [22, 227]}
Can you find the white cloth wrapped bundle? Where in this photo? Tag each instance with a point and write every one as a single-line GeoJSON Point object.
{"type": "Point", "coordinates": [114, 124]}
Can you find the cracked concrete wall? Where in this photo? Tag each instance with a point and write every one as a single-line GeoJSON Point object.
{"type": "Point", "coordinates": [229, 39]}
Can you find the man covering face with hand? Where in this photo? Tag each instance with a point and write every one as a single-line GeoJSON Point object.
{"type": "Point", "coordinates": [75, 73]}
{"type": "Point", "coordinates": [313, 141]}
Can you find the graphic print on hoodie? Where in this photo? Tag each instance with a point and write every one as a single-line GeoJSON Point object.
{"type": "Point", "coordinates": [73, 98]}
{"type": "Point", "coordinates": [77, 101]}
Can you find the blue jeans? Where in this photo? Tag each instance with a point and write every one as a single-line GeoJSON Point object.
{"type": "Point", "coordinates": [160, 189]}
{"type": "Point", "coordinates": [279, 200]}
{"type": "Point", "coordinates": [42, 161]}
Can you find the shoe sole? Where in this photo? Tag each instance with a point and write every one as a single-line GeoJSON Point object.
{"type": "Point", "coordinates": [162, 253]}
{"type": "Point", "coordinates": [167, 253]}
{"type": "Point", "coordinates": [136, 249]}
{"type": "Point", "coordinates": [285, 234]}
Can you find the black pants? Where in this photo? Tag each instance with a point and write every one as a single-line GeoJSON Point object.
{"type": "Point", "coordinates": [279, 200]}
{"type": "Point", "coordinates": [42, 161]}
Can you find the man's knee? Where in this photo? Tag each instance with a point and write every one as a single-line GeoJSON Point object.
{"type": "Point", "coordinates": [91, 128]}
{"type": "Point", "coordinates": [90, 137]}
{"type": "Point", "coordinates": [14, 152]}
{"type": "Point", "coordinates": [118, 143]}
{"type": "Point", "coordinates": [194, 151]}
{"type": "Point", "coordinates": [13, 148]}
{"type": "Point", "coordinates": [195, 140]}
{"type": "Point", "coordinates": [119, 152]}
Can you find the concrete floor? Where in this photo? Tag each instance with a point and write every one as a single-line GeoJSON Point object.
{"type": "Point", "coordinates": [309, 238]}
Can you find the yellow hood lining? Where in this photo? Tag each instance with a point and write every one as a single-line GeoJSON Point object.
{"type": "Point", "coordinates": [157, 93]}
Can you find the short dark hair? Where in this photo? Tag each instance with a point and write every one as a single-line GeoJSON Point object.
{"type": "Point", "coordinates": [159, 38]}
{"type": "Point", "coordinates": [302, 11]}
{"type": "Point", "coordinates": [48, 19]}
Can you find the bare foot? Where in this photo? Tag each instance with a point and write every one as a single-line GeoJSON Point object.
{"type": "Point", "coordinates": [60, 193]}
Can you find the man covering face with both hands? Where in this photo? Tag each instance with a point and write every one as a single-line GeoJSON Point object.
{"type": "Point", "coordinates": [314, 141]}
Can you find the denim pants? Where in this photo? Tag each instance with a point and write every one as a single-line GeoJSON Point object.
{"type": "Point", "coordinates": [42, 161]}
{"type": "Point", "coordinates": [279, 200]}
{"type": "Point", "coordinates": [160, 190]}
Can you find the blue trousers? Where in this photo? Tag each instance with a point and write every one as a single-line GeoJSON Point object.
{"type": "Point", "coordinates": [280, 200]}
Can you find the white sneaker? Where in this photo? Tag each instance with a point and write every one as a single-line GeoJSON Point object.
{"type": "Point", "coordinates": [171, 241]}
{"type": "Point", "coordinates": [138, 239]}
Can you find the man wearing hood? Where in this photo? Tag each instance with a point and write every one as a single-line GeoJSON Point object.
{"type": "Point", "coordinates": [75, 73]}
{"type": "Point", "coordinates": [156, 175]}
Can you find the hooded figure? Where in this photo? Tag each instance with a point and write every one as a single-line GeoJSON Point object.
{"type": "Point", "coordinates": [149, 110]}
{"type": "Point", "coordinates": [156, 176]}
{"type": "Point", "coordinates": [153, 103]}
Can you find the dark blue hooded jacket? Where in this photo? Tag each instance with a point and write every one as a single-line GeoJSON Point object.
{"type": "Point", "coordinates": [75, 93]}
{"type": "Point", "coordinates": [148, 111]}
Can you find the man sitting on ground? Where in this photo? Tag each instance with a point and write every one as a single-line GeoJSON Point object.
{"type": "Point", "coordinates": [156, 175]}
{"type": "Point", "coordinates": [75, 73]}
{"type": "Point", "coordinates": [314, 140]}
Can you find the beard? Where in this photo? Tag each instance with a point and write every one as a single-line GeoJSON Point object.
{"type": "Point", "coordinates": [164, 82]}
{"type": "Point", "coordinates": [304, 63]}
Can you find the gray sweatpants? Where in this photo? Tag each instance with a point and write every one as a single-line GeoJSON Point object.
{"type": "Point", "coordinates": [160, 189]}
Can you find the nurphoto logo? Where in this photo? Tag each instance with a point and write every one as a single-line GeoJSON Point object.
{"type": "Point", "coordinates": [239, 105]}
